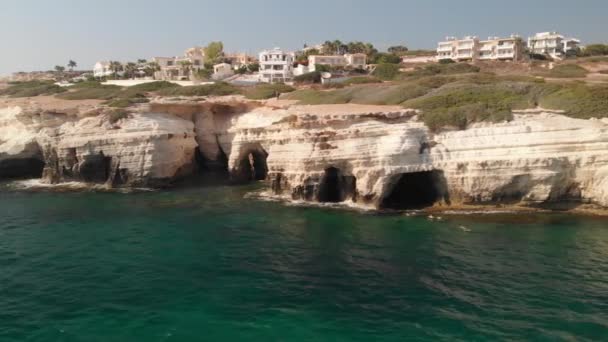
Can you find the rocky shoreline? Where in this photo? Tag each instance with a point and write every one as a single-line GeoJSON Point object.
{"type": "Point", "coordinates": [378, 157]}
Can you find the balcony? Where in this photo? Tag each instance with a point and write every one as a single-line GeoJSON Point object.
{"type": "Point", "coordinates": [442, 48]}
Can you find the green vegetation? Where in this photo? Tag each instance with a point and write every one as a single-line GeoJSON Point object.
{"type": "Point", "coordinates": [594, 50]}
{"type": "Point", "coordinates": [92, 91]}
{"type": "Point", "coordinates": [266, 91]}
{"type": "Point", "coordinates": [386, 71]}
{"type": "Point", "coordinates": [443, 69]}
{"type": "Point", "coordinates": [361, 80]}
{"type": "Point", "coordinates": [578, 100]}
{"type": "Point", "coordinates": [213, 51]}
{"type": "Point", "coordinates": [217, 89]}
{"type": "Point", "coordinates": [308, 78]}
{"type": "Point", "coordinates": [457, 100]}
{"type": "Point", "coordinates": [117, 115]}
{"type": "Point", "coordinates": [31, 88]}
{"type": "Point", "coordinates": [115, 96]}
{"type": "Point", "coordinates": [565, 71]}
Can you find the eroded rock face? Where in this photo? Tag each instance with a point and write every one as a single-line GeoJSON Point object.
{"type": "Point", "coordinates": [538, 158]}
{"type": "Point", "coordinates": [20, 155]}
{"type": "Point", "coordinates": [142, 149]}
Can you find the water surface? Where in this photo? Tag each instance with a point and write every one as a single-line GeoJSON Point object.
{"type": "Point", "coordinates": [205, 264]}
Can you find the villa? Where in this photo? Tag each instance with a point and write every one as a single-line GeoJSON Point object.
{"type": "Point", "coordinates": [471, 48]}
{"type": "Point", "coordinates": [180, 68]}
{"type": "Point", "coordinates": [276, 66]}
{"type": "Point", "coordinates": [552, 44]}
{"type": "Point", "coordinates": [222, 71]}
{"type": "Point", "coordinates": [102, 69]}
{"type": "Point", "coordinates": [238, 60]}
{"type": "Point", "coordinates": [355, 61]}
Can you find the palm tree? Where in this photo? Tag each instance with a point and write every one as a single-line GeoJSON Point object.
{"type": "Point", "coordinates": [116, 67]}
{"type": "Point", "coordinates": [151, 68]}
{"type": "Point", "coordinates": [185, 66]}
{"type": "Point", "coordinates": [72, 64]}
{"type": "Point", "coordinates": [130, 69]}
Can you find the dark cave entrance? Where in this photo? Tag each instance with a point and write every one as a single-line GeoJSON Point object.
{"type": "Point", "coordinates": [417, 190]}
{"type": "Point", "coordinates": [335, 187]}
{"type": "Point", "coordinates": [252, 166]}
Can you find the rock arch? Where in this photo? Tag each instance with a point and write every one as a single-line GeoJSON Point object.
{"type": "Point", "coordinates": [250, 165]}
{"type": "Point", "coordinates": [415, 190]}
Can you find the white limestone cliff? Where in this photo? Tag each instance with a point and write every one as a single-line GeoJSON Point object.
{"type": "Point", "coordinates": [141, 149]}
{"type": "Point", "coordinates": [369, 152]}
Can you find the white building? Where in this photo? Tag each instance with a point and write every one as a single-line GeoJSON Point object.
{"type": "Point", "coordinates": [102, 69]}
{"type": "Point", "coordinates": [180, 68]}
{"type": "Point", "coordinates": [552, 44]}
{"type": "Point", "coordinates": [458, 49]}
{"type": "Point", "coordinates": [355, 61]}
{"type": "Point", "coordinates": [471, 48]}
{"type": "Point", "coordinates": [276, 66]}
{"type": "Point", "coordinates": [222, 71]}
{"type": "Point", "coordinates": [496, 48]}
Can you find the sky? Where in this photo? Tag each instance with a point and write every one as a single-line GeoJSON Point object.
{"type": "Point", "coordinates": [39, 34]}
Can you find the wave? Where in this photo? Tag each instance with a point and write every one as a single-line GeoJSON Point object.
{"type": "Point", "coordinates": [40, 185]}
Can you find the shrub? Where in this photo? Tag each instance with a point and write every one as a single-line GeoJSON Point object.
{"type": "Point", "coordinates": [444, 69]}
{"type": "Point", "coordinates": [266, 91]}
{"type": "Point", "coordinates": [446, 61]}
{"type": "Point", "coordinates": [117, 115]}
{"type": "Point", "coordinates": [565, 71]}
{"type": "Point", "coordinates": [31, 88]}
{"type": "Point", "coordinates": [92, 92]}
{"type": "Point", "coordinates": [386, 71]}
{"type": "Point", "coordinates": [308, 78]}
{"type": "Point", "coordinates": [217, 89]}
{"type": "Point", "coordinates": [153, 86]}
{"type": "Point", "coordinates": [362, 80]}
{"type": "Point", "coordinates": [578, 100]}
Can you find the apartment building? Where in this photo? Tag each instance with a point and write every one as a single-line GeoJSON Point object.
{"type": "Point", "coordinates": [354, 60]}
{"type": "Point", "coordinates": [471, 48]}
{"type": "Point", "coordinates": [552, 44]}
{"type": "Point", "coordinates": [496, 48]}
{"type": "Point", "coordinates": [182, 67]}
{"type": "Point", "coordinates": [276, 66]}
{"type": "Point", "coordinates": [465, 49]}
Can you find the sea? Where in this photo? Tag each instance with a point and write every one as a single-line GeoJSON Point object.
{"type": "Point", "coordinates": [211, 262]}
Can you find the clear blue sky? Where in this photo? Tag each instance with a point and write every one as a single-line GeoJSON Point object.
{"type": "Point", "coordinates": [38, 34]}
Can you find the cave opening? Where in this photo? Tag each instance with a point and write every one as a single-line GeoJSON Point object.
{"type": "Point", "coordinates": [335, 187]}
{"type": "Point", "coordinates": [252, 166]}
{"type": "Point", "coordinates": [95, 168]}
{"type": "Point", "coordinates": [417, 190]}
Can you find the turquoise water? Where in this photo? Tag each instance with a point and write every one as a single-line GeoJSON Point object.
{"type": "Point", "coordinates": [203, 264]}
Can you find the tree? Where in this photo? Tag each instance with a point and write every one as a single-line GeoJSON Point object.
{"type": "Point", "coordinates": [185, 66]}
{"type": "Point", "coordinates": [386, 71]}
{"type": "Point", "coordinates": [203, 74]}
{"type": "Point", "coordinates": [385, 58]}
{"type": "Point", "coordinates": [115, 67]}
{"type": "Point", "coordinates": [72, 64]}
{"type": "Point", "coordinates": [130, 69]}
{"type": "Point", "coordinates": [398, 49]}
{"type": "Point", "coordinates": [141, 61]}
{"type": "Point", "coordinates": [151, 68]}
{"type": "Point", "coordinates": [214, 51]}
{"type": "Point", "coordinates": [253, 67]}
{"type": "Point", "coordinates": [594, 50]}
{"type": "Point", "coordinates": [303, 58]}
{"type": "Point", "coordinates": [59, 69]}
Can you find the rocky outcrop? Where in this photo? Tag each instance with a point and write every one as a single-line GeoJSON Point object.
{"type": "Point", "coordinates": [140, 149]}
{"type": "Point", "coordinates": [384, 157]}
{"type": "Point", "coordinates": [375, 156]}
